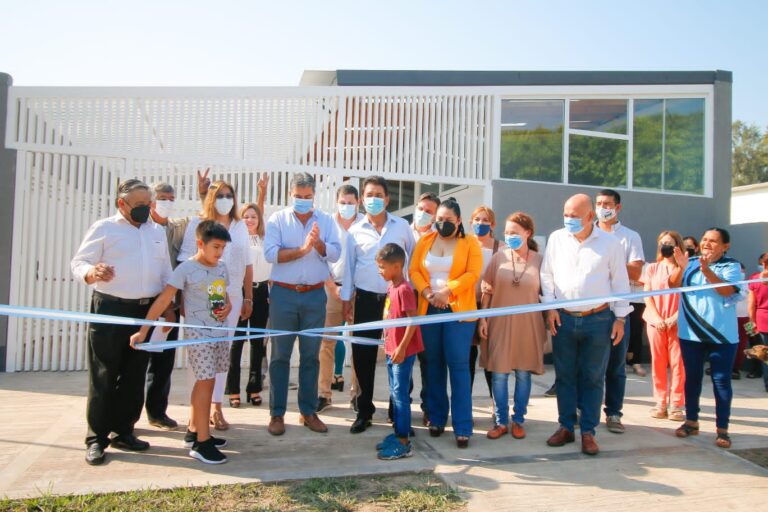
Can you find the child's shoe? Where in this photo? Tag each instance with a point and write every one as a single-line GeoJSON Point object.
{"type": "Point", "coordinates": [207, 452]}
{"type": "Point", "coordinates": [396, 451]}
{"type": "Point", "coordinates": [390, 439]}
{"type": "Point", "coordinates": [190, 438]}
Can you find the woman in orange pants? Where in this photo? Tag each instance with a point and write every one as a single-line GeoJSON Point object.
{"type": "Point", "coordinates": [661, 320]}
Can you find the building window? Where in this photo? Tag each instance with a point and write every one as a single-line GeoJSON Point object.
{"type": "Point", "coordinates": [532, 140]}
{"type": "Point", "coordinates": [589, 142]}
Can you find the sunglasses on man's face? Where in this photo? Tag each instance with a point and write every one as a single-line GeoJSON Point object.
{"type": "Point", "coordinates": [225, 196]}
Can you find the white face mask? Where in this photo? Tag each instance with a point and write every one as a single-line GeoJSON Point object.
{"type": "Point", "coordinates": [165, 208]}
{"type": "Point", "coordinates": [605, 214]}
{"type": "Point", "coordinates": [224, 205]}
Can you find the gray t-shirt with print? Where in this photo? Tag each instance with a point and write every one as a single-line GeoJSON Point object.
{"type": "Point", "coordinates": [204, 290]}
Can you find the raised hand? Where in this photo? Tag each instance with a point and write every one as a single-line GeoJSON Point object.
{"type": "Point", "coordinates": [680, 258]}
{"type": "Point", "coordinates": [203, 182]}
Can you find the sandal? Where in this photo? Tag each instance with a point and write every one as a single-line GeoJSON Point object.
{"type": "Point", "coordinates": [255, 399]}
{"type": "Point", "coordinates": [436, 431]}
{"type": "Point", "coordinates": [462, 441]}
{"type": "Point", "coordinates": [218, 422]}
{"type": "Point", "coordinates": [686, 430]}
{"type": "Point", "coordinates": [338, 383]}
{"type": "Point", "coordinates": [723, 440]}
{"type": "Point", "coordinates": [234, 402]}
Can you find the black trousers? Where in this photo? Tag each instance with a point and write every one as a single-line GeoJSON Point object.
{"type": "Point", "coordinates": [116, 372]}
{"type": "Point", "coordinates": [369, 307]}
{"type": "Point", "coordinates": [159, 379]}
{"type": "Point", "coordinates": [474, 351]}
{"type": "Point", "coordinates": [636, 329]}
{"type": "Point", "coordinates": [258, 320]}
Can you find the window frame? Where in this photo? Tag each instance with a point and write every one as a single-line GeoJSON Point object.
{"type": "Point", "coordinates": [619, 92]}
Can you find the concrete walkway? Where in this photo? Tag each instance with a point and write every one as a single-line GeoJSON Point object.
{"type": "Point", "coordinates": [41, 450]}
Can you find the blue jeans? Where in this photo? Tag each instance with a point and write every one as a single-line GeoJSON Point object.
{"type": "Point", "coordinates": [290, 310]}
{"type": "Point", "coordinates": [580, 351]}
{"type": "Point", "coordinates": [521, 396]}
{"type": "Point", "coordinates": [399, 391]}
{"type": "Point", "coordinates": [721, 357]}
{"type": "Point", "coordinates": [339, 353]}
{"type": "Point", "coordinates": [616, 375]}
{"type": "Point", "coordinates": [446, 346]}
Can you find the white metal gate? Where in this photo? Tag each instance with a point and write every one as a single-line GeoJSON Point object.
{"type": "Point", "coordinates": [76, 144]}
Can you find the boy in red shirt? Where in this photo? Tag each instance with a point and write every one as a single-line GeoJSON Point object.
{"type": "Point", "coordinates": [401, 345]}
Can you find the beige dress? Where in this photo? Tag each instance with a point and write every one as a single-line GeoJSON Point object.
{"type": "Point", "coordinates": [515, 342]}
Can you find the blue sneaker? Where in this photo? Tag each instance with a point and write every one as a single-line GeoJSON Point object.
{"type": "Point", "coordinates": [396, 451]}
{"type": "Point", "coordinates": [390, 439]}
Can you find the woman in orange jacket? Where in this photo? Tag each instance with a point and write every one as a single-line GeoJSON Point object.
{"type": "Point", "coordinates": [445, 267]}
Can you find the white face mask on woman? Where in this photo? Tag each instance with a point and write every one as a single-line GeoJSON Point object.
{"type": "Point", "coordinates": [224, 205]}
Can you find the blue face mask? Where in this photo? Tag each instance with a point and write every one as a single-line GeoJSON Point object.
{"type": "Point", "coordinates": [374, 205]}
{"type": "Point", "coordinates": [514, 242]}
{"type": "Point", "coordinates": [421, 219]}
{"type": "Point", "coordinates": [302, 206]}
{"type": "Point", "coordinates": [347, 211]}
{"type": "Point", "coordinates": [573, 225]}
{"type": "Point", "coordinates": [481, 229]}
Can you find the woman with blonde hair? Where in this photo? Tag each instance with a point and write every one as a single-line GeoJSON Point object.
{"type": "Point", "coordinates": [220, 205]}
{"type": "Point", "coordinates": [661, 323]}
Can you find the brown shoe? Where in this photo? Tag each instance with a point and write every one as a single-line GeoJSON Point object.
{"type": "Point", "coordinates": [497, 431]}
{"type": "Point", "coordinates": [589, 445]}
{"type": "Point", "coordinates": [313, 423]}
{"type": "Point", "coordinates": [561, 437]}
{"type": "Point", "coordinates": [276, 426]}
{"type": "Point", "coordinates": [518, 432]}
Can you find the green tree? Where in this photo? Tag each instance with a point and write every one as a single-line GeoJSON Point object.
{"type": "Point", "coordinates": [750, 154]}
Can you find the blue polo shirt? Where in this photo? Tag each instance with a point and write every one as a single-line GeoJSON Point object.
{"type": "Point", "coordinates": [705, 315]}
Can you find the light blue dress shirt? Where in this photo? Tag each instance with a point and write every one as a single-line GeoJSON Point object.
{"type": "Point", "coordinates": [285, 231]}
{"type": "Point", "coordinates": [361, 271]}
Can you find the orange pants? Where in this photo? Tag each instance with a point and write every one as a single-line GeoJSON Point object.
{"type": "Point", "coordinates": [665, 353]}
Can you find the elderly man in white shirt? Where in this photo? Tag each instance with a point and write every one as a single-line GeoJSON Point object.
{"type": "Point", "coordinates": [125, 259]}
{"type": "Point", "coordinates": [580, 262]}
{"type": "Point", "coordinates": [608, 206]}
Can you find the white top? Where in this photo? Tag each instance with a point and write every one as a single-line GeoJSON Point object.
{"type": "Point", "coordinates": [633, 250]}
{"type": "Point", "coordinates": [438, 267]}
{"type": "Point", "coordinates": [139, 256]}
{"type": "Point", "coordinates": [337, 269]}
{"type": "Point", "coordinates": [580, 270]}
{"type": "Point", "coordinates": [261, 268]}
{"type": "Point", "coordinates": [236, 255]}
{"type": "Point", "coordinates": [364, 242]}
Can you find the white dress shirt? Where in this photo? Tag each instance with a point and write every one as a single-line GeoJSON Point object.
{"type": "Point", "coordinates": [139, 256]}
{"type": "Point", "coordinates": [580, 270]}
{"type": "Point", "coordinates": [236, 257]}
{"type": "Point", "coordinates": [361, 271]}
{"type": "Point", "coordinates": [285, 231]}
{"type": "Point", "coordinates": [337, 269]}
{"type": "Point", "coordinates": [633, 250]}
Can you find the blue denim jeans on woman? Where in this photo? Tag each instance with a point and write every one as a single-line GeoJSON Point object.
{"type": "Point", "coordinates": [446, 346]}
{"type": "Point", "coordinates": [721, 357]}
{"type": "Point", "coordinates": [400, 392]}
{"type": "Point", "coordinates": [580, 351]}
{"type": "Point", "coordinates": [501, 396]}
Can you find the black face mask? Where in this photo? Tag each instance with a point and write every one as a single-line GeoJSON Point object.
{"type": "Point", "coordinates": [140, 214]}
{"type": "Point", "coordinates": [445, 228]}
{"type": "Point", "coordinates": [691, 252]}
{"type": "Point", "coordinates": [666, 250]}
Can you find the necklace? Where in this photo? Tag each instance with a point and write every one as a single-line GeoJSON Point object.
{"type": "Point", "coordinates": [516, 278]}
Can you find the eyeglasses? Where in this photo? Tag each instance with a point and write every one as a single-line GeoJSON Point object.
{"type": "Point", "coordinates": [225, 196]}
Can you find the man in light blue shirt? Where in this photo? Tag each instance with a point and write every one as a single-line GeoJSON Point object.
{"type": "Point", "coordinates": [362, 279]}
{"type": "Point", "coordinates": [300, 242]}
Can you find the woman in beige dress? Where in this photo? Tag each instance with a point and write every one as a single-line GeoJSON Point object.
{"type": "Point", "coordinates": [515, 342]}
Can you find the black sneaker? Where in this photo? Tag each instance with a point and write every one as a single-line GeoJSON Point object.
{"type": "Point", "coordinates": [164, 423]}
{"type": "Point", "coordinates": [95, 454]}
{"type": "Point", "coordinates": [552, 391]}
{"type": "Point", "coordinates": [129, 442]}
{"type": "Point", "coordinates": [207, 452]}
{"type": "Point", "coordinates": [190, 438]}
{"type": "Point", "coordinates": [323, 403]}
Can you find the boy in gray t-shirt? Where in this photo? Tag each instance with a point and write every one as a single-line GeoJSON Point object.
{"type": "Point", "coordinates": [203, 282]}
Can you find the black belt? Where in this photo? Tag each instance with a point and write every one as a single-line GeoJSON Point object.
{"type": "Point", "coordinates": [112, 298]}
{"type": "Point", "coordinates": [338, 284]}
{"type": "Point", "coordinates": [260, 284]}
{"type": "Point", "coordinates": [379, 296]}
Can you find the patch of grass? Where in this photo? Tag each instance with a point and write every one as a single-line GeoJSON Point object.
{"type": "Point", "coordinates": [402, 493]}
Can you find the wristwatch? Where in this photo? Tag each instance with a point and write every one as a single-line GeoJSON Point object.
{"type": "Point", "coordinates": [621, 319]}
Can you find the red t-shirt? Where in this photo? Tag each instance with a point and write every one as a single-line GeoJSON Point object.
{"type": "Point", "coordinates": [402, 298]}
{"type": "Point", "coordinates": [761, 302]}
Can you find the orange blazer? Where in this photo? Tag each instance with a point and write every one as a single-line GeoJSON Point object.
{"type": "Point", "coordinates": [462, 278]}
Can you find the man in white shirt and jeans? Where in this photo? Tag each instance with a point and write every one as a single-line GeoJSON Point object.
{"type": "Point", "coordinates": [580, 262]}
{"type": "Point", "coordinates": [608, 206]}
{"type": "Point", "coordinates": [125, 259]}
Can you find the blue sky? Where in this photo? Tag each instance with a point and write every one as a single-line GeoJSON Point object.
{"type": "Point", "coordinates": [244, 43]}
